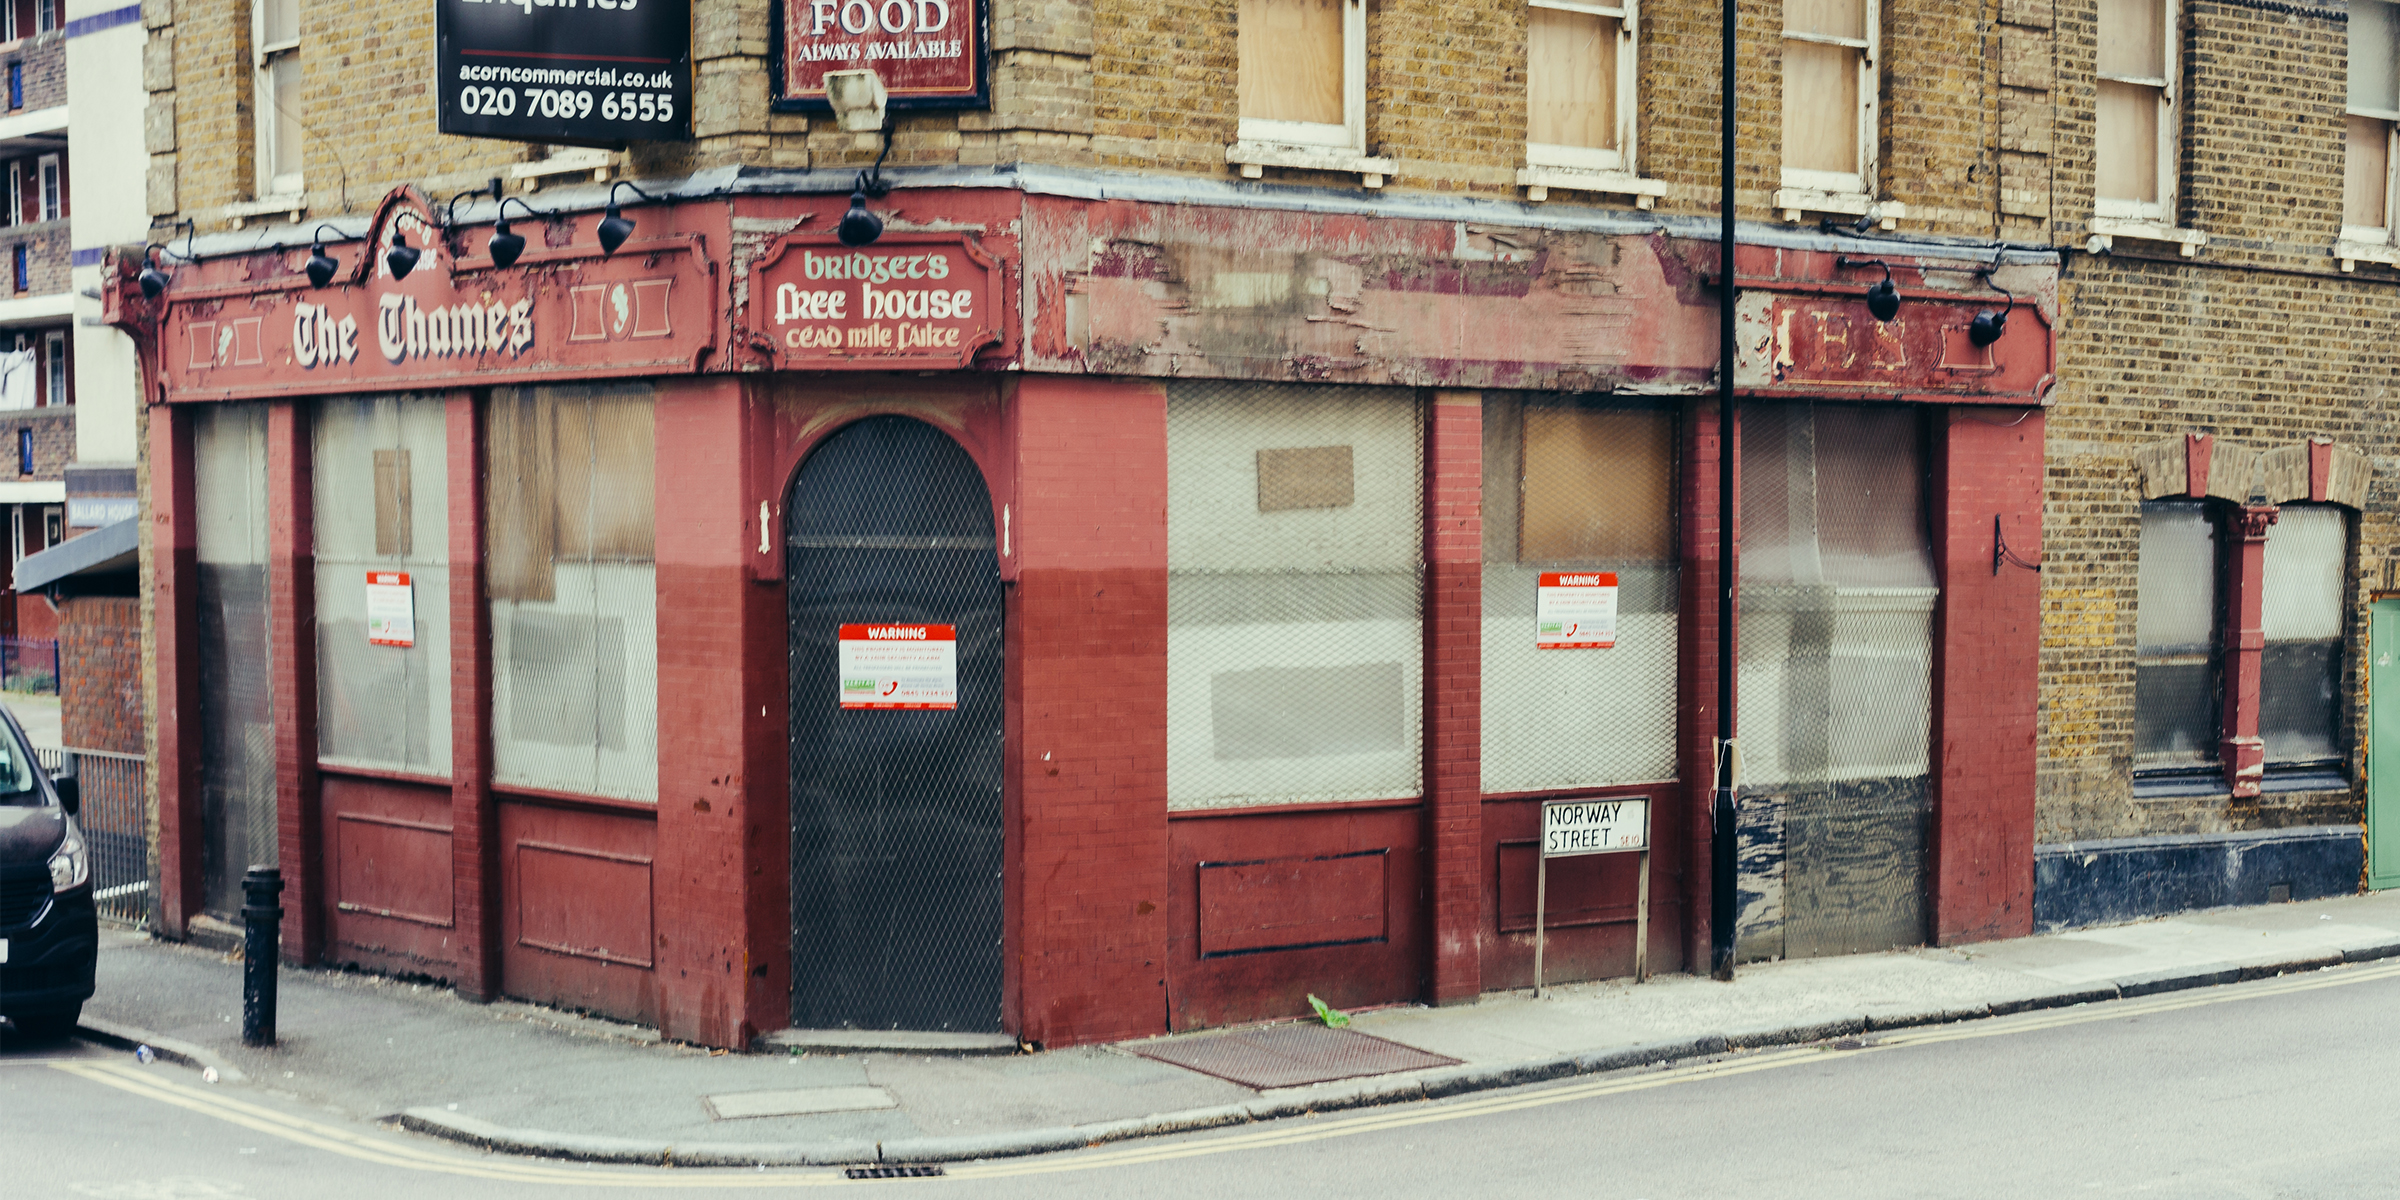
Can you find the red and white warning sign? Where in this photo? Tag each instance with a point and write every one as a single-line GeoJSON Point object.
{"type": "Point", "coordinates": [1575, 611]}
{"type": "Point", "coordinates": [899, 666]}
{"type": "Point", "coordinates": [391, 609]}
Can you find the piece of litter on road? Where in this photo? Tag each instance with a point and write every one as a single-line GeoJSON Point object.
{"type": "Point", "coordinates": [249, 1149]}
{"type": "Point", "coordinates": [453, 1108]}
{"type": "Point", "coordinates": [797, 1102]}
{"type": "Point", "coordinates": [208, 1075]}
{"type": "Point", "coordinates": [144, 1054]}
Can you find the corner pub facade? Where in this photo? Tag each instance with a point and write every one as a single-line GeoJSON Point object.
{"type": "Point", "coordinates": [1099, 607]}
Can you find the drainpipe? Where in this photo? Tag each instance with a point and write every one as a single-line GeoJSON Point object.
{"type": "Point", "coordinates": [1722, 848]}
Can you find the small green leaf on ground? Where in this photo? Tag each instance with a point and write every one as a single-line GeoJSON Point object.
{"type": "Point", "coordinates": [1333, 1017]}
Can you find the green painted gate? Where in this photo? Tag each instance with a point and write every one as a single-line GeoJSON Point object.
{"type": "Point", "coordinates": [2383, 745]}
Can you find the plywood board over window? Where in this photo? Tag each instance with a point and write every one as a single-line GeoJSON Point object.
{"type": "Point", "coordinates": [1829, 95]}
{"type": "Point", "coordinates": [2374, 118]}
{"type": "Point", "coordinates": [1579, 84]}
{"type": "Point", "coordinates": [1301, 76]}
{"type": "Point", "coordinates": [2135, 123]}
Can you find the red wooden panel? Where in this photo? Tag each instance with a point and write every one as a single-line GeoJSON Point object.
{"type": "Point", "coordinates": [1584, 890]}
{"type": "Point", "coordinates": [1292, 903]}
{"type": "Point", "coordinates": [393, 868]}
{"type": "Point", "coordinates": [583, 902]}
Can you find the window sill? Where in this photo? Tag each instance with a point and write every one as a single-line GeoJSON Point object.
{"type": "Point", "coordinates": [2164, 783]}
{"type": "Point", "coordinates": [1537, 180]}
{"type": "Point", "coordinates": [245, 211]}
{"type": "Point", "coordinates": [2106, 230]}
{"type": "Point", "coordinates": [2353, 253]}
{"type": "Point", "coordinates": [1254, 157]}
{"type": "Point", "coordinates": [1798, 202]}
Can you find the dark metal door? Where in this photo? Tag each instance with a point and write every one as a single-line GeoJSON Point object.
{"type": "Point", "coordinates": [895, 813]}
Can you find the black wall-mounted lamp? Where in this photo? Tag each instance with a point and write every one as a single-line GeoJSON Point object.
{"type": "Point", "coordinates": [402, 257]}
{"type": "Point", "coordinates": [614, 228]}
{"type": "Point", "coordinates": [1987, 326]}
{"type": "Point", "coordinates": [320, 265]}
{"type": "Point", "coordinates": [153, 280]}
{"type": "Point", "coordinates": [860, 227]}
{"type": "Point", "coordinates": [1883, 296]}
{"type": "Point", "coordinates": [505, 245]}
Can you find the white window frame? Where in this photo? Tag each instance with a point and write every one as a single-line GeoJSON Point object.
{"type": "Point", "coordinates": [2170, 128]}
{"type": "Point", "coordinates": [1860, 184]}
{"type": "Point", "coordinates": [2358, 241]}
{"type": "Point", "coordinates": [45, 16]}
{"type": "Point", "coordinates": [268, 111]}
{"type": "Point", "coordinates": [16, 193]}
{"type": "Point", "coordinates": [10, 33]}
{"type": "Point", "coordinates": [1351, 134]}
{"type": "Point", "coordinates": [1315, 145]}
{"type": "Point", "coordinates": [1585, 158]}
{"type": "Point", "coordinates": [51, 197]}
{"type": "Point", "coordinates": [54, 369]}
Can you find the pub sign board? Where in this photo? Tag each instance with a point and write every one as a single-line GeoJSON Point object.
{"type": "Point", "coordinates": [579, 72]}
{"type": "Point", "coordinates": [929, 53]}
{"type": "Point", "coordinates": [912, 299]}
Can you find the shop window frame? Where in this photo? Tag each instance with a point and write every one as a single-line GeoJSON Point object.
{"type": "Point", "coordinates": [2207, 776]}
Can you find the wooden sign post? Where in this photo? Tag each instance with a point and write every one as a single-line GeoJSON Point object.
{"type": "Point", "coordinates": [1573, 828]}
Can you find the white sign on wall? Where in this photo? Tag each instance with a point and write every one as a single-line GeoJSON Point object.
{"type": "Point", "coordinates": [1572, 827]}
{"type": "Point", "coordinates": [1575, 611]}
{"type": "Point", "coordinates": [899, 666]}
{"type": "Point", "coordinates": [391, 609]}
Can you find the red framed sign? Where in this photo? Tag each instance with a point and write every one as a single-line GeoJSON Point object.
{"type": "Point", "coordinates": [929, 53]}
{"type": "Point", "coordinates": [909, 300]}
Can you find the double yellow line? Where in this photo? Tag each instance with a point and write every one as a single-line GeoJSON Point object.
{"type": "Point", "coordinates": [393, 1152]}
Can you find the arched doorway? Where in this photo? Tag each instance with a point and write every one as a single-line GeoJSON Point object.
{"type": "Point", "coordinates": [896, 805]}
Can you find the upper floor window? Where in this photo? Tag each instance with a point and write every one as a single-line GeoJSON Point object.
{"type": "Point", "coordinates": [1302, 72]}
{"type": "Point", "coordinates": [1579, 84]}
{"type": "Point", "coordinates": [275, 41]}
{"type": "Point", "coordinates": [2374, 116]}
{"type": "Point", "coordinates": [16, 85]}
{"type": "Point", "coordinates": [54, 370]}
{"type": "Point", "coordinates": [53, 198]}
{"type": "Point", "coordinates": [2135, 129]}
{"type": "Point", "coordinates": [45, 16]}
{"type": "Point", "coordinates": [1829, 52]}
{"type": "Point", "coordinates": [16, 194]}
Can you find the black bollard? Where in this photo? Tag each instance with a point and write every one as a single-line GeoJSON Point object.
{"type": "Point", "coordinates": [262, 941]}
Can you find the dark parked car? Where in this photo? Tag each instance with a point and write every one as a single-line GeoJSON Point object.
{"type": "Point", "coordinates": [49, 931]}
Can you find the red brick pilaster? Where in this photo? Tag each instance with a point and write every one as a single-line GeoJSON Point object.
{"type": "Point", "coordinates": [175, 632]}
{"type": "Point", "coordinates": [1454, 692]}
{"type": "Point", "coordinates": [474, 823]}
{"type": "Point", "coordinates": [1696, 703]}
{"type": "Point", "coordinates": [2243, 754]}
{"type": "Point", "coordinates": [1986, 671]}
{"type": "Point", "coordinates": [292, 652]}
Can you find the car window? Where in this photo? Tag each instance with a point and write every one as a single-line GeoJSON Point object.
{"type": "Point", "coordinates": [17, 767]}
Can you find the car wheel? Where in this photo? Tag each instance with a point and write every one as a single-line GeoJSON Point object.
{"type": "Point", "coordinates": [48, 1026]}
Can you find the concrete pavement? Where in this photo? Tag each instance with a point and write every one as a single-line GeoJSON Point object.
{"type": "Point", "coordinates": [521, 1078]}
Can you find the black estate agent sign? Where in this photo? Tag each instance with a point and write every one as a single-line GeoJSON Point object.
{"type": "Point", "coordinates": [566, 70]}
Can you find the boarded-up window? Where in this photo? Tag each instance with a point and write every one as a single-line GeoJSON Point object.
{"type": "Point", "coordinates": [2374, 114]}
{"type": "Point", "coordinates": [1291, 68]}
{"type": "Point", "coordinates": [382, 505]}
{"type": "Point", "coordinates": [1578, 485]}
{"type": "Point", "coordinates": [1579, 64]}
{"type": "Point", "coordinates": [1828, 92]}
{"type": "Point", "coordinates": [1294, 651]}
{"type": "Point", "coordinates": [572, 581]}
{"type": "Point", "coordinates": [237, 688]}
{"type": "Point", "coordinates": [2176, 702]}
{"type": "Point", "coordinates": [2300, 694]}
{"type": "Point", "coordinates": [2134, 112]}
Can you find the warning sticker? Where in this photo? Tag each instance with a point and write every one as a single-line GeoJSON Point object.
{"type": "Point", "coordinates": [1575, 612]}
{"type": "Point", "coordinates": [899, 666]}
{"type": "Point", "coordinates": [391, 609]}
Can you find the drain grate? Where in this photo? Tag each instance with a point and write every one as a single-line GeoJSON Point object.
{"type": "Point", "coordinates": [1289, 1055]}
{"type": "Point", "coordinates": [891, 1172]}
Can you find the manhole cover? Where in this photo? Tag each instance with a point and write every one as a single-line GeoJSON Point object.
{"type": "Point", "coordinates": [1289, 1055]}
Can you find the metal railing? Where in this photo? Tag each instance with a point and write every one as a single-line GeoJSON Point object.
{"type": "Point", "coordinates": [29, 665]}
{"type": "Point", "coordinates": [115, 821]}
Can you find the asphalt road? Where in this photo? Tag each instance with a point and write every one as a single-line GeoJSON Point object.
{"type": "Point", "coordinates": [2286, 1087]}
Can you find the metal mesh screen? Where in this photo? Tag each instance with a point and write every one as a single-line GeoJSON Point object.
{"type": "Point", "coordinates": [2176, 647]}
{"type": "Point", "coordinates": [237, 696]}
{"type": "Point", "coordinates": [383, 507]}
{"type": "Point", "coordinates": [896, 813]}
{"type": "Point", "coordinates": [1294, 587]}
{"type": "Point", "coordinates": [1573, 485]}
{"type": "Point", "coordinates": [571, 575]}
{"type": "Point", "coordinates": [115, 822]}
{"type": "Point", "coordinates": [1837, 600]}
{"type": "Point", "coordinates": [2300, 671]}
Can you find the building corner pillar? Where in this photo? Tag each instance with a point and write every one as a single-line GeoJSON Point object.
{"type": "Point", "coordinates": [1454, 693]}
{"type": "Point", "coordinates": [2242, 753]}
{"type": "Point", "coordinates": [474, 822]}
{"type": "Point", "coordinates": [292, 651]}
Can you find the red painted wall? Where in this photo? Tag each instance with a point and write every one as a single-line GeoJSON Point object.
{"type": "Point", "coordinates": [577, 924]}
{"type": "Point", "coordinates": [1088, 847]}
{"type": "Point", "coordinates": [1987, 650]}
{"type": "Point", "coordinates": [1454, 694]}
{"type": "Point", "coordinates": [389, 881]}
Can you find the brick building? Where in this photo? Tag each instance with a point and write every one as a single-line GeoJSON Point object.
{"type": "Point", "coordinates": [1213, 499]}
